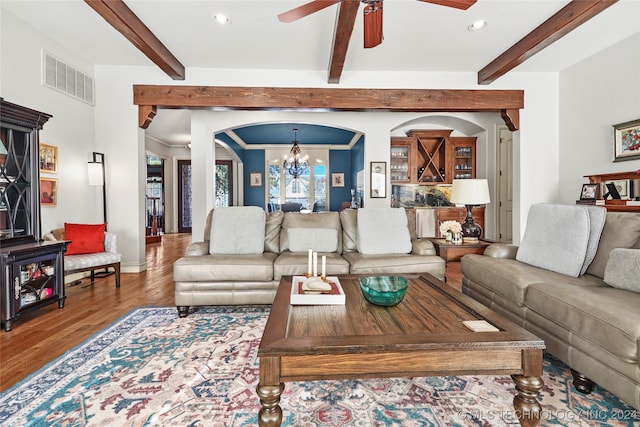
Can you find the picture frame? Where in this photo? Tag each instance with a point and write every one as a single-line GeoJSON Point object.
{"type": "Point", "coordinates": [48, 158]}
{"type": "Point", "coordinates": [589, 191]}
{"type": "Point", "coordinates": [48, 192]}
{"type": "Point", "coordinates": [626, 141]}
{"type": "Point", "coordinates": [621, 185]}
{"type": "Point", "coordinates": [255, 179]}
{"type": "Point", "coordinates": [337, 179]}
{"type": "Point", "coordinates": [378, 180]}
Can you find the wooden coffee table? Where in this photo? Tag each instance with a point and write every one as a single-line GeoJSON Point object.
{"type": "Point", "coordinates": [421, 336]}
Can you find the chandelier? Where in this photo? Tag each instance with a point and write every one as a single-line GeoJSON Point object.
{"type": "Point", "coordinates": [295, 165]}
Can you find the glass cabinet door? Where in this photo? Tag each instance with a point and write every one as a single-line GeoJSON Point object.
{"type": "Point", "coordinates": [400, 165]}
{"type": "Point", "coordinates": [464, 160]}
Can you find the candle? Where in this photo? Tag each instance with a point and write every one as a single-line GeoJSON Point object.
{"type": "Point", "coordinates": [324, 266]}
{"type": "Point", "coordinates": [309, 263]}
{"type": "Point", "coordinates": [315, 264]}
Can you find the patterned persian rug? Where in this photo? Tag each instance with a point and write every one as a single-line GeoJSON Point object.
{"type": "Point", "coordinates": [152, 368]}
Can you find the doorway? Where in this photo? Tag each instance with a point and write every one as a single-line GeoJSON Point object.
{"type": "Point", "coordinates": [184, 196]}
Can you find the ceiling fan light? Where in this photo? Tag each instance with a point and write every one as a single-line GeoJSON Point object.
{"type": "Point", "coordinates": [477, 25]}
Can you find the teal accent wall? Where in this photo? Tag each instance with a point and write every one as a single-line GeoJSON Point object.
{"type": "Point", "coordinates": [254, 161]}
{"type": "Point", "coordinates": [357, 163]}
{"type": "Point", "coordinates": [340, 161]}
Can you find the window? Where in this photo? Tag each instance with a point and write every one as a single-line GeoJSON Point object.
{"type": "Point", "coordinates": [309, 189]}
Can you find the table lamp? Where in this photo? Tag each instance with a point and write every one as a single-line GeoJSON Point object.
{"type": "Point", "coordinates": [470, 192]}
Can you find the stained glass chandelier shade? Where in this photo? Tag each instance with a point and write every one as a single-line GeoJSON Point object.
{"type": "Point", "coordinates": [295, 164]}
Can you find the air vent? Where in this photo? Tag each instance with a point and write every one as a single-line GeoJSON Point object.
{"type": "Point", "coordinates": [66, 78]}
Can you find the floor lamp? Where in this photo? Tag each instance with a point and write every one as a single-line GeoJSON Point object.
{"type": "Point", "coordinates": [470, 192]}
{"type": "Point", "coordinates": [97, 178]}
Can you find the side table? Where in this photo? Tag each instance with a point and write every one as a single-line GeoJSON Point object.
{"type": "Point", "coordinates": [453, 252]}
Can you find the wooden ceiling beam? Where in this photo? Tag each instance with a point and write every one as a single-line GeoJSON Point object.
{"type": "Point", "coordinates": [567, 19]}
{"type": "Point", "coordinates": [505, 102]}
{"type": "Point", "coordinates": [346, 19]}
{"type": "Point", "coordinates": [120, 17]}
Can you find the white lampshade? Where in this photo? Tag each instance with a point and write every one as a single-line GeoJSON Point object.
{"type": "Point", "coordinates": [95, 173]}
{"type": "Point", "coordinates": [470, 192]}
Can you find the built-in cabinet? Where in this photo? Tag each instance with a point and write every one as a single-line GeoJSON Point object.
{"type": "Point", "coordinates": [432, 157]}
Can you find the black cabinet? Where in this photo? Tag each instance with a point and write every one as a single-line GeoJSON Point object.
{"type": "Point", "coordinates": [32, 276]}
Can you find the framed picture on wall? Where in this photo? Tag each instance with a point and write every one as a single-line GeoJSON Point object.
{"type": "Point", "coordinates": [378, 180]}
{"type": "Point", "coordinates": [48, 192]}
{"type": "Point", "coordinates": [255, 179]}
{"type": "Point", "coordinates": [337, 179]}
{"type": "Point", "coordinates": [626, 141]}
{"type": "Point", "coordinates": [48, 157]}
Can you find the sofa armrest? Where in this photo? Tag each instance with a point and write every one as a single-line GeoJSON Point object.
{"type": "Point", "coordinates": [197, 249]}
{"type": "Point", "coordinates": [422, 247]}
{"type": "Point", "coordinates": [501, 250]}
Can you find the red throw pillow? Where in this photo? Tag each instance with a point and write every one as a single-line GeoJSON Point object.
{"type": "Point", "coordinates": [85, 238]}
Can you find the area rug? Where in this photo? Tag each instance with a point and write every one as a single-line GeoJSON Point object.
{"type": "Point", "coordinates": [151, 368]}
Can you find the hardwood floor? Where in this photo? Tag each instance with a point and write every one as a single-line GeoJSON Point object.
{"type": "Point", "coordinates": [39, 337]}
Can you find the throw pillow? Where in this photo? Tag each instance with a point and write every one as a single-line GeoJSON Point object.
{"type": "Point", "coordinates": [85, 238]}
{"type": "Point", "coordinates": [555, 238]}
{"type": "Point", "coordinates": [316, 239]}
{"type": "Point", "coordinates": [237, 230]}
{"type": "Point", "coordinates": [623, 269]}
{"type": "Point", "coordinates": [383, 231]}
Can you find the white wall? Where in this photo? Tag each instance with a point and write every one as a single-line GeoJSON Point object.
{"type": "Point", "coordinates": [71, 128]}
{"type": "Point", "coordinates": [596, 94]}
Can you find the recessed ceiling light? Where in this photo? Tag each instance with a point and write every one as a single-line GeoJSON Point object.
{"type": "Point", "coordinates": [222, 19]}
{"type": "Point", "coordinates": [477, 25]}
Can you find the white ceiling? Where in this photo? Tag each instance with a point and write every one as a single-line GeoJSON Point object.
{"type": "Point", "coordinates": [417, 36]}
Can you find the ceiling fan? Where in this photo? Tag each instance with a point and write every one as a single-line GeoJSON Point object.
{"type": "Point", "coordinates": [372, 14]}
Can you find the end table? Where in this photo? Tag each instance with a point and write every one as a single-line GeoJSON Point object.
{"type": "Point", "coordinates": [453, 252]}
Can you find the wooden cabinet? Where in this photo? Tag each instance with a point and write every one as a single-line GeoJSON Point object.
{"type": "Point", "coordinates": [458, 214]}
{"type": "Point", "coordinates": [432, 157]}
{"type": "Point", "coordinates": [462, 158]}
{"type": "Point", "coordinates": [32, 277]}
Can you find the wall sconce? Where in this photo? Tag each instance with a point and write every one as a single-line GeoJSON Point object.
{"type": "Point", "coordinates": [96, 172]}
{"type": "Point", "coordinates": [470, 192]}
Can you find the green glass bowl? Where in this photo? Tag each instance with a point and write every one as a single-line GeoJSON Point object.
{"type": "Point", "coordinates": [383, 290]}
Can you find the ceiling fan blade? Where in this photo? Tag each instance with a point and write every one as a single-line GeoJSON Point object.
{"type": "Point", "coordinates": [458, 4]}
{"type": "Point", "coordinates": [305, 10]}
{"type": "Point", "coordinates": [373, 24]}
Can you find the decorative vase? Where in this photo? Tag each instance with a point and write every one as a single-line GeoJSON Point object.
{"type": "Point", "coordinates": [448, 236]}
{"type": "Point", "coordinates": [457, 238]}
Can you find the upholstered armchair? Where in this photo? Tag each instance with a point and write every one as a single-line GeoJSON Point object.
{"type": "Point", "coordinates": [104, 256]}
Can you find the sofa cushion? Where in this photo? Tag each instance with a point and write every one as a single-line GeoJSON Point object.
{"type": "Point", "coordinates": [85, 238]}
{"type": "Point", "coordinates": [395, 264]}
{"type": "Point", "coordinates": [272, 231]}
{"type": "Point", "coordinates": [237, 230]}
{"type": "Point", "coordinates": [623, 269]}
{"type": "Point", "coordinates": [77, 262]}
{"type": "Point", "coordinates": [593, 313]}
{"type": "Point", "coordinates": [383, 231]}
{"type": "Point", "coordinates": [329, 220]}
{"type": "Point", "coordinates": [349, 221]}
{"type": "Point", "coordinates": [556, 238]}
{"type": "Point", "coordinates": [621, 230]}
{"type": "Point", "coordinates": [316, 239]}
{"type": "Point", "coordinates": [224, 268]}
{"type": "Point", "coordinates": [597, 216]}
{"type": "Point", "coordinates": [296, 263]}
{"type": "Point", "coordinates": [510, 278]}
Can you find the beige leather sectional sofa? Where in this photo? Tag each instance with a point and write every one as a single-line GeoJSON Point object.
{"type": "Point", "coordinates": [591, 322]}
{"type": "Point", "coordinates": [203, 278]}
